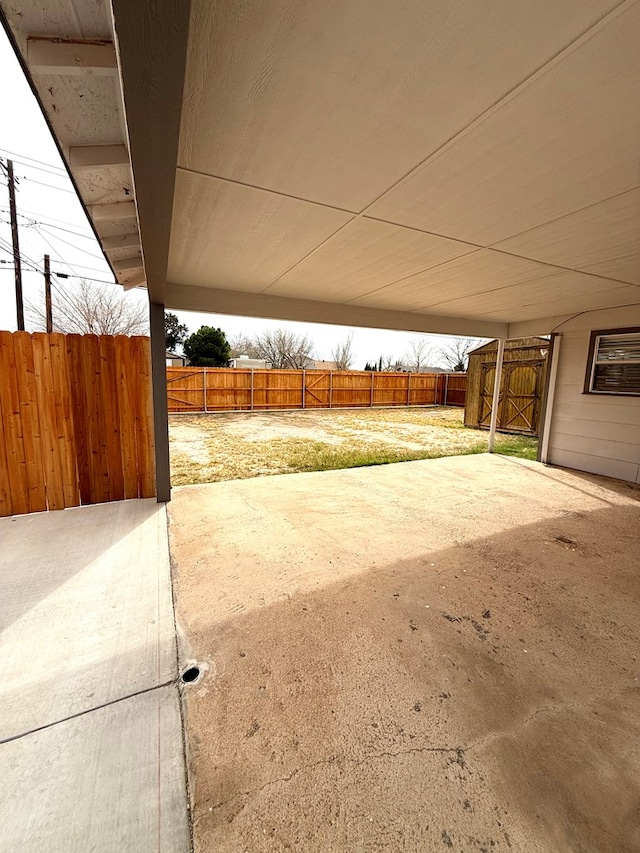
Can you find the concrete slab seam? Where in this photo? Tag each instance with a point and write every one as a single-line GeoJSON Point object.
{"type": "Point", "coordinates": [171, 681]}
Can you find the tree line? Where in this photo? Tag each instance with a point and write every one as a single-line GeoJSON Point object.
{"type": "Point", "coordinates": [283, 349]}
{"type": "Point", "coordinates": [90, 309]}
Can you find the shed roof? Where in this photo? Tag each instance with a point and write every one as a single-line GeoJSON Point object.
{"type": "Point", "coordinates": [513, 343]}
{"type": "Point", "coordinates": [469, 169]}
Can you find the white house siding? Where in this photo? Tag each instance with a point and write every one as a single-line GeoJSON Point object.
{"type": "Point", "coordinates": [593, 432]}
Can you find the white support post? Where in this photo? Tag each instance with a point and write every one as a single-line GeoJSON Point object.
{"type": "Point", "coordinates": [496, 394]}
{"type": "Point", "coordinates": [551, 393]}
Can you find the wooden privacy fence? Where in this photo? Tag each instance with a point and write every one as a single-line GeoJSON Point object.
{"type": "Point", "coordinates": [216, 389]}
{"type": "Point", "coordinates": [75, 421]}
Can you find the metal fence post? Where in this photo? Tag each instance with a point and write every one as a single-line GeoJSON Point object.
{"type": "Point", "coordinates": [204, 388]}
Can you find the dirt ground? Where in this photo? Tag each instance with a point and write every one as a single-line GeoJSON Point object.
{"type": "Point", "coordinates": [432, 656]}
{"type": "Point", "coordinates": [228, 446]}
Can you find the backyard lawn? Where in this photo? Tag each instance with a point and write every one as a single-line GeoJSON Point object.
{"type": "Point", "coordinates": [209, 448]}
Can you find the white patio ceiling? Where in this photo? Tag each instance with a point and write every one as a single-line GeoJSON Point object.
{"type": "Point", "coordinates": [421, 164]}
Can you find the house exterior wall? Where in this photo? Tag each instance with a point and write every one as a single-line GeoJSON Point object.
{"type": "Point", "coordinates": [592, 432]}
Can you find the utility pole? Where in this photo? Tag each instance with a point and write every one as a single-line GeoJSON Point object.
{"type": "Point", "coordinates": [16, 245]}
{"type": "Point", "coordinates": [47, 293]}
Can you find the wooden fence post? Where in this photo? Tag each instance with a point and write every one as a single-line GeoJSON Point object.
{"type": "Point", "coordinates": [304, 389]}
{"type": "Point", "coordinates": [409, 389]}
{"type": "Point", "coordinates": [204, 389]}
{"type": "Point", "coordinates": [252, 387]}
{"type": "Point", "coordinates": [330, 387]}
{"type": "Point", "coordinates": [446, 388]}
{"type": "Point", "coordinates": [373, 373]}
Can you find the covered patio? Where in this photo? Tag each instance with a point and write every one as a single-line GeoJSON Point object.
{"type": "Point", "coordinates": [428, 656]}
{"type": "Point", "coordinates": [421, 656]}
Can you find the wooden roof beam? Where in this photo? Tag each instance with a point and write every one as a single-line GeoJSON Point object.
{"type": "Point", "coordinates": [137, 280]}
{"type": "Point", "coordinates": [123, 241]}
{"type": "Point", "coordinates": [95, 156]}
{"type": "Point", "coordinates": [126, 264]}
{"type": "Point", "coordinates": [112, 212]}
{"type": "Point", "coordinates": [52, 55]}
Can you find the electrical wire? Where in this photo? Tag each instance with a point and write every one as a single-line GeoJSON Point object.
{"type": "Point", "coordinates": [73, 267]}
{"type": "Point", "coordinates": [12, 155]}
{"type": "Point", "coordinates": [51, 218]}
{"type": "Point", "coordinates": [42, 184]}
{"type": "Point", "coordinates": [39, 168]}
{"type": "Point", "coordinates": [31, 221]}
{"type": "Point", "coordinates": [40, 228]}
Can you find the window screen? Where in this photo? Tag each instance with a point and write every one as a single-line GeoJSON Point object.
{"type": "Point", "coordinates": [615, 362]}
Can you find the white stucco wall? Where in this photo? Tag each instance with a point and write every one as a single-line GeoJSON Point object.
{"type": "Point", "coordinates": [592, 432]}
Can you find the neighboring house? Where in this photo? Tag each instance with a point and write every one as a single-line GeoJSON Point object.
{"type": "Point", "coordinates": [400, 367]}
{"type": "Point", "coordinates": [318, 364]}
{"type": "Point", "coordinates": [175, 360]}
{"type": "Point", "coordinates": [245, 362]}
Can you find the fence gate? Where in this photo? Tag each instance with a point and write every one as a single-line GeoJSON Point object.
{"type": "Point", "coordinates": [520, 393]}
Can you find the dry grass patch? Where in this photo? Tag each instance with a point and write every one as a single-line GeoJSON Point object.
{"type": "Point", "coordinates": [232, 446]}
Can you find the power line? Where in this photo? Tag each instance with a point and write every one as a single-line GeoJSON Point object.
{"type": "Point", "coordinates": [71, 266]}
{"type": "Point", "coordinates": [40, 227]}
{"type": "Point", "coordinates": [31, 221]}
{"type": "Point", "coordinates": [40, 168]}
{"type": "Point", "coordinates": [52, 218]}
{"type": "Point", "coordinates": [17, 157]}
{"type": "Point", "coordinates": [42, 184]}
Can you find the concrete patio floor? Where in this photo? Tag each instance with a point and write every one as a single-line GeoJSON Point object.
{"type": "Point", "coordinates": [91, 752]}
{"type": "Point", "coordinates": [426, 656]}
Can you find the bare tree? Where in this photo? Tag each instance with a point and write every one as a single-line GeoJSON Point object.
{"type": "Point", "coordinates": [342, 353]}
{"type": "Point", "coordinates": [456, 354]}
{"type": "Point", "coordinates": [242, 344]}
{"type": "Point", "coordinates": [92, 309]}
{"type": "Point", "coordinates": [284, 349]}
{"type": "Point", "coordinates": [418, 354]}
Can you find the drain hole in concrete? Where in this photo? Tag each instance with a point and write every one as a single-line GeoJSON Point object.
{"type": "Point", "coordinates": [190, 675]}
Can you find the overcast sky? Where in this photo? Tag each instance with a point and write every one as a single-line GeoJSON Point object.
{"type": "Point", "coordinates": [51, 221]}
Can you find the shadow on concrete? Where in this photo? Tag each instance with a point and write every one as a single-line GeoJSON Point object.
{"type": "Point", "coordinates": [481, 696]}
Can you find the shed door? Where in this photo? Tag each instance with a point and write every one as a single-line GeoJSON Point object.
{"type": "Point", "coordinates": [521, 384]}
{"type": "Point", "coordinates": [520, 393]}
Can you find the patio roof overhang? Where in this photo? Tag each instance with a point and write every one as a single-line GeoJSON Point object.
{"type": "Point", "coordinates": [422, 165]}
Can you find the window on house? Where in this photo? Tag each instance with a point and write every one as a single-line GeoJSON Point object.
{"type": "Point", "coordinates": [614, 362]}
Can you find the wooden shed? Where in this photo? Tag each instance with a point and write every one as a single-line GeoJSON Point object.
{"type": "Point", "coordinates": [524, 372]}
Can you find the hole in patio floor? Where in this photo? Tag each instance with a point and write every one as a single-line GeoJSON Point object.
{"type": "Point", "coordinates": [190, 675]}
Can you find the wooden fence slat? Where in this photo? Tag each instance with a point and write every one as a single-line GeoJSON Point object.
{"type": "Point", "coordinates": [111, 415]}
{"type": "Point", "coordinates": [98, 463]}
{"type": "Point", "coordinates": [64, 418]}
{"type": "Point", "coordinates": [14, 444]}
{"type": "Point", "coordinates": [52, 461]}
{"type": "Point", "coordinates": [33, 432]}
{"type": "Point", "coordinates": [128, 426]}
{"type": "Point", "coordinates": [78, 408]}
{"type": "Point", "coordinates": [6, 507]}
